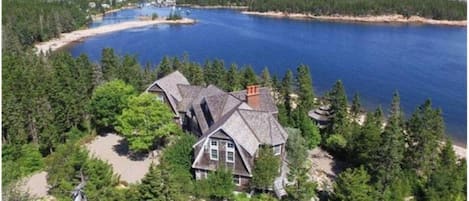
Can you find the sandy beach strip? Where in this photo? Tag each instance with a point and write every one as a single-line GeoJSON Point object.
{"type": "Point", "coordinates": [363, 19]}
{"type": "Point", "coordinates": [460, 151]}
{"type": "Point", "coordinates": [67, 38]}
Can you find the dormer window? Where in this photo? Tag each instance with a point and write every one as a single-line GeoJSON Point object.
{"type": "Point", "coordinates": [213, 150]}
{"type": "Point", "coordinates": [230, 152]}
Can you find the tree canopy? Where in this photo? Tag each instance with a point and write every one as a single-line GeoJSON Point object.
{"type": "Point", "coordinates": [145, 120]}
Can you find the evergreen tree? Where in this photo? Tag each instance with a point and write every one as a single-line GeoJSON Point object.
{"type": "Point", "coordinates": [109, 64]}
{"type": "Point", "coordinates": [233, 79]}
{"type": "Point", "coordinates": [309, 130]}
{"type": "Point", "coordinates": [265, 168]}
{"type": "Point", "coordinates": [446, 183]}
{"type": "Point", "coordinates": [297, 150]}
{"type": "Point", "coordinates": [158, 185]}
{"type": "Point", "coordinates": [286, 91]}
{"type": "Point", "coordinates": [249, 76]}
{"type": "Point", "coordinates": [364, 145]}
{"type": "Point", "coordinates": [303, 189]}
{"type": "Point", "coordinates": [356, 106]}
{"type": "Point", "coordinates": [353, 185]}
{"type": "Point", "coordinates": [220, 184]}
{"type": "Point", "coordinates": [424, 130]}
{"type": "Point", "coordinates": [165, 67]}
{"type": "Point", "coordinates": [266, 79]}
{"type": "Point", "coordinates": [196, 74]}
{"type": "Point", "coordinates": [340, 122]}
{"type": "Point", "coordinates": [305, 87]}
{"type": "Point", "coordinates": [131, 72]}
{"type": "Point", "coordinates": [392, 146]}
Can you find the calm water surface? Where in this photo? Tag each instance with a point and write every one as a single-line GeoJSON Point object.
{"type": "Point", "coordinates": [420, 61]}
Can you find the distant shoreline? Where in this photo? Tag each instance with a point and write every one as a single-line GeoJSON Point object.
{"type": "Point", "coordinates": [67, 38]}
{"type": "Point", "coordinates": [213, 7]}
{"type": "Point", "coordinates": [101, 15]}
{"type": "Point", "coordinates": [397, 19]}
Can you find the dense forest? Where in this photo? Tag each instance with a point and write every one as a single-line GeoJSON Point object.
{"type": "Point", "coordinates": [25, 22]}
{"type": "Point", "coordinates": [433, 9]}
{"type": "Point", "coordinates": [53, 104]}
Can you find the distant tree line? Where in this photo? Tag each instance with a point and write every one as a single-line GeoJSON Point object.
{"type": "Point", "coordinates": [26, 22]}
{"type": "Point", "coordinates": [213, 2]}
{"type": "Point", "coordinates": [433, 9]}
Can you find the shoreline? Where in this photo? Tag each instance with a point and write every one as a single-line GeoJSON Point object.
{"type": "Point", "coordinates": [79, 35]}
{"type": "Point", "coordinates": [101, 15]}
{"type": "Point", "coordinates": [214, 7]}
{"type": "Point", "coordinates": [396, 19]}
{"type": "Point", "coordinates": [460, 151]}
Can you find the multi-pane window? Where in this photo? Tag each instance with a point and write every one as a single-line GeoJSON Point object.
{"type": "Point", "coordinates": [229, 156]}
{"type": "Point", "coordinates": [214, 154]}
{"type": "Point", "coordinates": [230, 152]}
{"type": "Point", "coordinates": [213, 150]}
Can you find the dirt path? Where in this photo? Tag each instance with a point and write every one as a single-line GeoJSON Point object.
{"type": "Point", "coordinates": [111, 149]}
{"type": "Point", "coordinates": [36, 185]}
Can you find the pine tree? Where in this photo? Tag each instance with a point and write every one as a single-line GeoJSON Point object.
{"type": "Point", "coordinates": [340, 122]}
{"type": "Point", "coordinates": [266, 79]}
{"type": "Point", "coordinates": [305, 87]}
{"type": "Point", "coordinates": [286, 91]}
{"type": "Point", "coordinates": [220, 184]}
{"type": "Point", "coordinates": [446, 183]}
{"type": "Point", "coordinates": [165, 67]}
{"type": "Point", "coordinates": [158, 185]}
{"type": "Point", "coordinates": [233, 79]}
{"type": "Point", "coordinates": [364, 145]}
{"type": "Point", "coordinates": [109, 64]}
{"type": "Point", "coordinates": [356, 106]}
{"type": "Point", "coordinates": [197, 74]}
{"type": "Point", "coordinates": [130, 72]}
{"type": "Point", "coordinates": [353, 185]}
{"type": "Point", "coordinates": [265, 168]}
{"type": "Point", "coordinates": [249, 76]}
{"type": "Point", "coordinates": [392, 146]}
{"type": "Point", "coordinates": [425, 130]}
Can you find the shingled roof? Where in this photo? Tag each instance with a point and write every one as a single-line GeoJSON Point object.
{"type": "Point", "coordinates": [230, 113]}
{"type": "Point", "coordinates": [169, 84]}
{"type": "Point", "coordinates": [266, 101]}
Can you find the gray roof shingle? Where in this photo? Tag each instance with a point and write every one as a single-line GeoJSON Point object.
{"type": "Point", "coordinates": [266, 100]}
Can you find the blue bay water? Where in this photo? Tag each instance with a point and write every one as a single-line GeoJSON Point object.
{"type": "Point", "coordinates": [420, 61]}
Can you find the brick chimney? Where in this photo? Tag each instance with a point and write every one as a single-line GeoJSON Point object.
{"type": "Point", "coordinates": [252, 96]}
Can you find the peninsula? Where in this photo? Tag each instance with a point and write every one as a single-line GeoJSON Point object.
{"type": "Point", "coordinates": [67, 38]}
{"type": "Point", "coordinates": [396, 18]}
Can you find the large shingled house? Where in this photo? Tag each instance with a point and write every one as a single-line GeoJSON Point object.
{"type": "Point", "coordinates": [230, 126]}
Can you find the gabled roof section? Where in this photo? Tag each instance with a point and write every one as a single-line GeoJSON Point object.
{"type": "Point", "coordinates": [221, 104]}
{"type": "Point", "coordinates": [188, 94]}
{"type": "Point", "coordinates": [266, 100]}
{"type": "Point", "coordinates": [169, 85]}
{"type": "Point", "coordinates": [265, 127]}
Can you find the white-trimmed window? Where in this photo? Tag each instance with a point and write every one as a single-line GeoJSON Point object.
{"type": "Point", "coordinates": [237, 180]}
{"type": "Point", "coordinates": [277, 150]}
{"type": "Point", "coordinates": [213, 150]}
{"type": "Point", "coordinates": [230, 152]}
